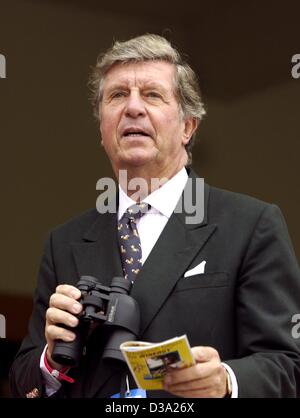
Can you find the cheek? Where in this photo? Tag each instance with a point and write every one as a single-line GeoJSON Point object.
{"type": "Point", "coordinates": [165, 123]}
{"type": "Point", "coordinates": [172, 126]}
{"type": "Point", "coordinates": [109, 117]}
{"type": "Point", "coordinates": [105, 133]}
{"type": "Point", "coordinates": [173, 118]}
{"type": "Point", "coordinates": [102, 128]}
{"type": "Point", "coordinates": [107, 125]}
{"type": "Point", "coordinates": [170, 118]}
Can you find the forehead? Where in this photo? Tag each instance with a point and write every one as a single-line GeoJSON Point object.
{"type": "Point", "coordinates": [140, 74]}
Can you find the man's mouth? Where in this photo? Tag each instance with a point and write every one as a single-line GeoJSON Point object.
{"type": "Point", "coordinates": [134, 133]}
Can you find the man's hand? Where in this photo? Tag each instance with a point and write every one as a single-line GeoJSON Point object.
{"type": "Point", "coordinates": [63, 306]}
{"type": "Point", "coordinates": [206, 379]}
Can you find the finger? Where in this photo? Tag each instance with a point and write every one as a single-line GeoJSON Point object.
{"type": "Point", "coordinates": [54, 332]}
{"type": "Point", "coordinates": [65, 303]}
{"type": "Point", "coordinates": [216, 378]}
{"type": "Point", "coordinates": [197, 384]}
{"type": "Point", "coordinates": [198, 371]}
{"type": "Point", "coordinates": [57, 316]}
{"type": "Point", "coordinates": [68, 290]}
{"type": "Point", "coordinates": [203, 354]}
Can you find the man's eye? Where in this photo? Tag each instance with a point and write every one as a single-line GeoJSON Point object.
{"type": "Point", "coordinates": [153, 94]}
{"type": "Point", "coordinates": [117, 94]}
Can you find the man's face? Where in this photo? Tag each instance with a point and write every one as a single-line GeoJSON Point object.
{"type": "Point", "coordinates": [140, 121]}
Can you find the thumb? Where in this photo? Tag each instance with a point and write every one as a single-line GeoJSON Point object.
{"type": "Point", "coordinates": [202, 354]}
{"type": "Point", "coordinates": [198, 354]}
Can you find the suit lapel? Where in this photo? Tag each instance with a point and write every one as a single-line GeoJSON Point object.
{"type": "Point", "coordinates": [173, 253]}
{"type": "Point", "coordinates": [168, 261]}
{"type": "Point", "coordinates": [98, 255]}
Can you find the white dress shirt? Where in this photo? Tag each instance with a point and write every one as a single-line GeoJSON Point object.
{"type": "Point", "coordinates": [163, 202]}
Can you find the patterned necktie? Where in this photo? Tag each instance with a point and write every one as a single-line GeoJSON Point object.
{"type": "Point", "coordinates": [129, 240]}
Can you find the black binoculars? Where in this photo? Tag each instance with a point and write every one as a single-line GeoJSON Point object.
{"type": "Point", "coordinates": [113, 308]}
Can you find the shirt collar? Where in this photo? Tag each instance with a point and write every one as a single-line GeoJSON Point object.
{"type": "Point", "coordinates": [162, 200]}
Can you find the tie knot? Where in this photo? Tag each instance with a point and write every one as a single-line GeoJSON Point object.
{"type": "Point", "coordinates": [136, 211]}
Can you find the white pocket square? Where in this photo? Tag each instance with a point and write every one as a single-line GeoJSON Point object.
{"type": "Point", "coordinates": [200, 269]}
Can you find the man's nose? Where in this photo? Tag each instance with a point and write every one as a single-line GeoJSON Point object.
{"type": "Point", "coordinates": [135, 106]}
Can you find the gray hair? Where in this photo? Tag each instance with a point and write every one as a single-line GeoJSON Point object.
{"type": "Point", "coordinates": [151, 47]}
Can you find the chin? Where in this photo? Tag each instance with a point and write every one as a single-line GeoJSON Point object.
{"type": "Point", "coordinates": [138, 159]}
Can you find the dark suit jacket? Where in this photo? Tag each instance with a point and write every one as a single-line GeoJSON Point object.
{"type": "Point", "coordinates": [242, 305]}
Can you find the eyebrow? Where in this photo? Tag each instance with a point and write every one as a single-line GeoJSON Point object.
{"type": "Point", "coordinates": [146, 85]}
{"type": "Point", "coordinates": [154, 85]}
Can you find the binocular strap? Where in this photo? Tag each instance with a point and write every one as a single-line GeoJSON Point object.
{"type": "Point", "coordinates": [126, 392]}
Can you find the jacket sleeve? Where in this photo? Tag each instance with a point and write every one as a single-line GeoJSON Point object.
{"type": "Point", "coordinates": [25, 374]}
{"type": "Point", "coordinates": [267, 297]}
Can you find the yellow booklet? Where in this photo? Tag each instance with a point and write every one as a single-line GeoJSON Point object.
{"type": "Point", "coordinates": [148, 362]}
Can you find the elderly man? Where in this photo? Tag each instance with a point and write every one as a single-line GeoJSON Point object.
{"type": "Point", "coordinates": [229, 281]}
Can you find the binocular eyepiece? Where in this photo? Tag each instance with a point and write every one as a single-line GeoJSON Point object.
{"type": "Point", "coordinates": [113, 308]}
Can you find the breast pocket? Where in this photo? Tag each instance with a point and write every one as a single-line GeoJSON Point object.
{"type": "Point", "coordinates": [206, 280]}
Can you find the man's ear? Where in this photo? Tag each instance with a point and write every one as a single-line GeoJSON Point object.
{"type": "Point", "coordinates": [190, 126]}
